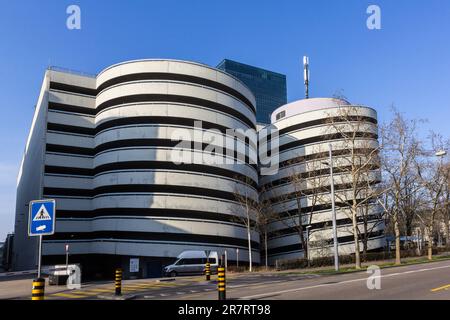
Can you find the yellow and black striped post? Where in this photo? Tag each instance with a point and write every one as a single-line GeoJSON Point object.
{"type": "Point", "coordinates": [118, 282]}
{"type": "Point", "coordinates": [208, 271]}
{"type": "Point", "coordinates": [221, 280]}
{"type": "Point", "coordinates": [37, 293]}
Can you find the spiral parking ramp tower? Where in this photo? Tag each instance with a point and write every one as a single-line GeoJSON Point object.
{"type": "Point", "coordinates": [110, 143]}
{"type": "Point", "coordinates": [306, 128]}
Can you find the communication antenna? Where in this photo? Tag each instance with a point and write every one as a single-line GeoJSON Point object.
{"type": "Point", "coordinates": [306, 75]}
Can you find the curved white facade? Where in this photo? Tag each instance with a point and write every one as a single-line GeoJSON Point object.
{"type": "Point", "coordinates": [109, 164]}
{"type": "Point", "coordinates": [305, 131]}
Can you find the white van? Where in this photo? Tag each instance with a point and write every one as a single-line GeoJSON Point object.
{"type": "Point", "coordinates": [192, 263]}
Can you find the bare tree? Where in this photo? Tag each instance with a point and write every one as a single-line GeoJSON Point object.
{"type": "Point", "coordinates": [306, 178]}
{"type": "Point", "coordinates": [249, 205]}
{"type": "Point", "coordinates": [446, 203]}
{"type": "Point", "coordinates": [433, 179]}
{"type": "Point", "coordinates": [400, 149]}
{"type": "Point", "coordinates": [357, 134]}
{"type": "Point", "coordinates": [265, 216]}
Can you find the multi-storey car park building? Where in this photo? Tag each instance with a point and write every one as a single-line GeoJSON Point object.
{"type": "Point", "coordinates": [306, 128]}
{"type": "Point", "coordinates": [101, 146]}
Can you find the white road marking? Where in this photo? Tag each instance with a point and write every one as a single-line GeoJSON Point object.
{"type": "Point", "coordinates": [337, 283]}
{"type": "Point", "coordinates": [253, 284]}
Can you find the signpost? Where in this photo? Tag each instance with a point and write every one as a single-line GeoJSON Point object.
{"type": "Point", "coordinates": [207, 252]}
{"type": "Point", "coordinates": [67, 258]}
{"type": "Point", "coordinates": [41, 222]}
{"type": "Point", "coordinates": [134, 264]}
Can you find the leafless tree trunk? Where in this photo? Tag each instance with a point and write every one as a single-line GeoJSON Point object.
{"type": "Point", "coordinates": [445, 206]}
{"type": "Point", "coordinates": [400, 149]}
{"type": "Point", "coordinates": [249, 203]}
{"type": "Point", "coordinates": [358, 169]}
{"type": "Point", "coordinates": [307, 179]}
{"type": "Point", "coordinates": [265, 216]}
{"type": "Point", "coordinates": [433, 179]}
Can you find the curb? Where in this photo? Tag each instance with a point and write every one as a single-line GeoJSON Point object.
{"type": "Point", "coordinates": [166, 280]}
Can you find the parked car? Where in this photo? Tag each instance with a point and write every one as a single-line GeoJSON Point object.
{"type": "Point", "coordinates": [192, 263]}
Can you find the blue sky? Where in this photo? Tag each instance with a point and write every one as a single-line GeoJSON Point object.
{"type": "Point", "coordinates": [406, 63]}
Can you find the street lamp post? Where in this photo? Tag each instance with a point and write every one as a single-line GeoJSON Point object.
{"type": "Point", "coordinates": [440, 154]}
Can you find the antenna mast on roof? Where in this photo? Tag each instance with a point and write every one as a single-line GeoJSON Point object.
{"type": "Point", "coordinates": [306, 75]}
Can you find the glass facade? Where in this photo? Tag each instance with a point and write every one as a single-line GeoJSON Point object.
{"type": "Point", "coordinates": [268, 87]}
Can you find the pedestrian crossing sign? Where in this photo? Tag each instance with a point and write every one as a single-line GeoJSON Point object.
{"type": "Point", "coordinates": [41, 217]}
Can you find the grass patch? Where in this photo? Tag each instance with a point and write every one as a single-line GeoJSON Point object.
{"type": "Point", "coordinates": [350, 269]}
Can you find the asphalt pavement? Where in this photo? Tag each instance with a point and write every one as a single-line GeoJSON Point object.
{"type": "Point", "coordinates": [419, 281]}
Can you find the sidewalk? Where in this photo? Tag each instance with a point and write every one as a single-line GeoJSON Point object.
{"type": "Point", "coordinates": [344, 267]}
{"type": "Point", "coordinates": [350, 266]}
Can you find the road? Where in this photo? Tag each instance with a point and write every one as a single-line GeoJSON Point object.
{"type": "Point", "coordinates": [420, 281]}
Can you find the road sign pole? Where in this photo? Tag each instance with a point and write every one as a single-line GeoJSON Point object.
{"type": "Point", "coordinates": [39, 256]}
{"type": "Point", "coordinates": [67, 259]}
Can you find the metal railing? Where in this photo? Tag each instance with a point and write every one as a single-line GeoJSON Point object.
{"type": "Point", "coordinates": [71, 71]}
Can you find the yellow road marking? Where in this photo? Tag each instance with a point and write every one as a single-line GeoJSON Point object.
{"type": "Point", "coordinates": [132, 287]}
{"type": "Point", "coordinates": [447, 286]}
{"type": "Point", "coordinates": [138, 286]}
{"type": "Point", "coordinates": [147, 285]}
{"type": "Point", "coordinates": [100, 290]}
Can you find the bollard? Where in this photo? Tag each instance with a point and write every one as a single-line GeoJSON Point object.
{"type": "Point", "coordinates": [37, 293]}
{"type": "Point", "coordinates": [221, 279]}
{"type": "Point", "coordinates": [118, 282]}
{"type": "Point", "coordinates": [208, 271]}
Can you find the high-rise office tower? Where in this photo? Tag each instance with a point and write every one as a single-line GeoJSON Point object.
{"type": "Point", "coordinates": [268, 87]}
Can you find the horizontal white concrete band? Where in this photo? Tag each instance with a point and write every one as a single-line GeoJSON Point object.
{"type": "Point", "coordinates": [153, 224]}
{"type": "Point", "coordinates": [72, 79]}
{"type": "Point", "coordinates": [189, 179]}
{"type": "Point", "coordinates": [67, 160]}
{"type": "Point", "coordinates": [168, 154]}
{"type": "Point", "coordinates": [321, 216]}
{"type": "Point", "coordinates": [151, 201]}
{"type": "Point", "coordinates": [308, 201]}
{"type": "Point", "coordinates": [175, 110]}
{"type": "Point", "coordinates": [77, 120]}
{"type": "Point", "coordinates": [72, 99]}
{"type": "Point", "coordinates": [217, 141]}
{"type": "Point", "coordinates": [177, 67]}
{"type": "Point", "coordinates": [367, 128]}
{"type": "Point", "coordinates": [318, 182]}
{"type": "Point", "coordinates": [344, 249]}
{"type": "Point", "coordinates": [143, 249]}
{"type": "Point", "coordinates": [322, 146]}
{"type": "Point", "coordinates": [65, 139]}
{"type": "Point", "coordinates": [174, 88]}
{"type": "Point", "coordinates": [68, 182]}
{"type": "Point", "coordinates": [311, 166]}
{"type": "Point", "coordinates": [323, 234]}
{"type": "Point", "coordinates": [326, 113]}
